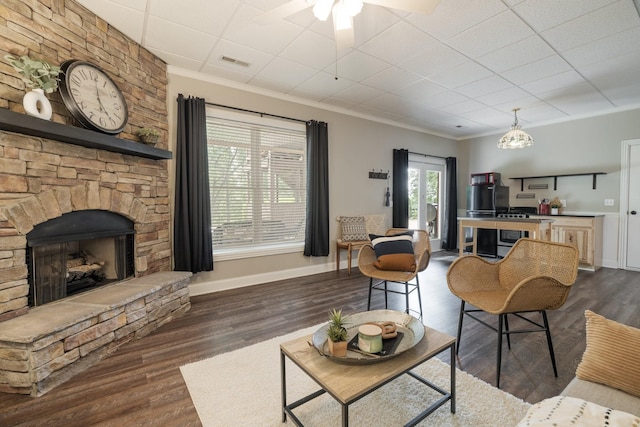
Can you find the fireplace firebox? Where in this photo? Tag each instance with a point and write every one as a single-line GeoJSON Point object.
{"type": "Point", "coordinates": [76, 252]}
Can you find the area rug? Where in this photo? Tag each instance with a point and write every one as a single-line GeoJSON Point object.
{"type": "Point", "coordinates": [242, 388]}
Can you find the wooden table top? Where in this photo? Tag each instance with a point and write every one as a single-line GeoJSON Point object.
{"type": "Point", "coordinates": [347, 383]}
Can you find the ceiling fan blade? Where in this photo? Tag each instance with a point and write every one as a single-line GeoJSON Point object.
{"type": "Point", "coordinates": [287, 9]}
{"type": "Point", "coordinates": [424, 7]}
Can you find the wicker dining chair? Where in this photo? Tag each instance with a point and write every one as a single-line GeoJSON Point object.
{"type": "Point", "coordinates": [535, 276]}
{"type": "Point", "coordinates": [379, 280]}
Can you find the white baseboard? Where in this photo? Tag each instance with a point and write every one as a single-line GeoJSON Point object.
{"type": "Point", "coordinates": [201, 288]}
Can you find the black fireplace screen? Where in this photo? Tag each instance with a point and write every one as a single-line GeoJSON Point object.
{"type": "Point", "coordinates": [76, 252]}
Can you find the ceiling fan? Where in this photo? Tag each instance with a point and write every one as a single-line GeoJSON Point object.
{"type": "Point", "coordinates": [343, 12]}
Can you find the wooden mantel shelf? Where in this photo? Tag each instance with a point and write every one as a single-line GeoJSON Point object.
{"type": "Point", "coordinates": [28, 125]}
{"type": "Point", "coordinates": [555, 178]}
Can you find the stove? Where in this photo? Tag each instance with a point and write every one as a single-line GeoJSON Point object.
{"type": "Point", "coordinates": [506, 238]}
{"type": "Point", "coordinates": [517, 215]}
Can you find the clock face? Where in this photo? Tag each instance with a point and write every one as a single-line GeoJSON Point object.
{"type": "Point", "coordinates": [92, 97]}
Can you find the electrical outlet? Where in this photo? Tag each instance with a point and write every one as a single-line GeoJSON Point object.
{"type": "Point", "coordinates": [563, 202]}
{"type": "Point", "coordinates": [608, 202]}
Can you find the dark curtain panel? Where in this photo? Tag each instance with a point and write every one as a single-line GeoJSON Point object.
{"type": "Point", "coordinates": [400, 188]}
{"type": "Point", "coordinates": [450, 223]}
{"type": "Point", "coordinates": [316, 239]}
{"type": "Point", "coordinates": [193, 249]}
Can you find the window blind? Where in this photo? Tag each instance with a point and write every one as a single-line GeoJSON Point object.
{"type": "Point", "coordinates": [257, 177]}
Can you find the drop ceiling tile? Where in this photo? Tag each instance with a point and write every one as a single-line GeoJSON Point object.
{"type": "Point", "coordinates": [421, 90]}
{"type": "Point", "coordinates": [224, 48]}
{"type": "Point", "coordinates": [126, 16]}
{"type": "Point", "coordinates": [282, 75]}
{"type": "Point", "coordinates": [321, 56]}
{"type": "Point", "coordinates": [358, 93]}
{"type": "Point", "coordinates": [442, 99]}
{"type": "Point", "coordinates": [517, 54]}
{"type": "Point", "coordinates": [385, 45]}
{"type": "Point", "coordinates": [614, 72]}
{"type": "Point", "coordinates": [160, 35]}
{"type": "Point", "coordinates": [463, 107]}
{"type": "Point", "coordinates": [557, 81]}
{"type": "Point", "coordinates": [177, 60]}
{"type": "Point", "coordinates": [495, 33]}
{"type": "Point", "coordinates": [545, 14]}
{"type": "Point", "coordinates": [537, 70]}
{"type": "Point", "coordinates": [484, 86]}
{"type": "Point", "coordinates": [207, 17]}
{"type": "Point", "coordinates": [468, 13]}
{"type": "Point", "coordinates": [490, 117]}
{"type": "Point", "coordinates": [321, 86]}
{"type": "Point", "coordinates": [271, 38]}
{"type": "Point", "coordinates": [601, 23]}
{"type": "Point", "coordinates": [371, 22]}
{"type": "Point", "coordinates": [392, 79]}
{"type": "Point", "coordinates": [500, 97]}
{"type": "Point", "coordinates": [436, 59]}
{"type": "Point", "coordinates": [358, 66]}
{"type": "Point", "coordinates": [609, 47]}
{"type": "Point", "coordinates": [460, 75]}
{"type": "Point", "coordinates": [577, 99]}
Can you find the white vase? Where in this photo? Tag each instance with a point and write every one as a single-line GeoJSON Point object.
{"type": "Point", "coordinates": [36, 104]}
{"type": "Point", "coordinates": [554, 211]}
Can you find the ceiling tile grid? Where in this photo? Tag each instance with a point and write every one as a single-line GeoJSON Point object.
{"type": "Point", "coordinates": [457, 72]}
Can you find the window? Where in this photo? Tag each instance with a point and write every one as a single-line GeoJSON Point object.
{"type": "Point", "coordinates": [257, 179]}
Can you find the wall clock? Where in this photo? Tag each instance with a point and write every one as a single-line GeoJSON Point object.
{"type": "Point", "coordinates": [92, 98]}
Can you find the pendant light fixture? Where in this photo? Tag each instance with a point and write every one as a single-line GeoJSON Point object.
{"type": "Point", "coordinates": [516, 137]}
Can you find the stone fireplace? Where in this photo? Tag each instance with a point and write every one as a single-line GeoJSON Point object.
{"type": "Point", "coordinates": [77, 252]}
{"type": "Point", "coordinates": [51, 171]}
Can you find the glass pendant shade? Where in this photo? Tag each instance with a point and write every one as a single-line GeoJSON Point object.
{"type": "Point", "coordinates": [516, 137]}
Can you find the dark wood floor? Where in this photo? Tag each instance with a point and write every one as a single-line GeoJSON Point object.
{"type": "Point", "coordinates": [141, 383]}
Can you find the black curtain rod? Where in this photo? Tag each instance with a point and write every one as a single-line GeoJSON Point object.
{"type": "Point", "coordinates": [256, 112]}
{"type": "Point", "coordinates": [428, 155]}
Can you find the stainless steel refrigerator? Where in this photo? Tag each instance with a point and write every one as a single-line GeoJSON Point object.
{"type": "Point", "coordinates": [487, 201]}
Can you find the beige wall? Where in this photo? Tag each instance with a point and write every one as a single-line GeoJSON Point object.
{"type": "Point", "coordinates": [586, 145]}
{"type": "Point", "coordinates": [356, 146]}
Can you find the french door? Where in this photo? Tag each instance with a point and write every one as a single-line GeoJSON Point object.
{"type": "Point", "coordinates": [426, 207]}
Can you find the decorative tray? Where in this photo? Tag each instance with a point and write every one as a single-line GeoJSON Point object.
{"type": "Point", "coordinates": [410, 328]}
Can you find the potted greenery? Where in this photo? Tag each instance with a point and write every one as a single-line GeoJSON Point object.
{"type": "Point", "coordinates": [555, 206]}
{"type": "Point", "coordinates": [148, 135]}
{"type": "Point", "coordinates": [337, 333]}
{"type": "Point", "coordinates": [41, 78]}
{"type": "Point", "coordinates": [36, 73]}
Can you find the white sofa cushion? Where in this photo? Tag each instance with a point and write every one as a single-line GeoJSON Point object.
{"type": "Point", "coordinates": [568, 411]}
{"type": "Point", "coordinates": [603, 395]}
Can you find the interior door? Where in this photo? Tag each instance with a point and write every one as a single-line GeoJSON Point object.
{"type": "Point", "coordinates": [632, 213]}
{"type": "Point", "coordinates": [426, 177]}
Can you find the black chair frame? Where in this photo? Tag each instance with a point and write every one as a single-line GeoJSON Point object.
{"type": "Point", "coordinates": [408, 289]}
{"type": "Point", "coordinates": [503, 329]}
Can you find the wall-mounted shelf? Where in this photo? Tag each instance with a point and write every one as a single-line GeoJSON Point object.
{"type": "Point", "coordinates": [555, 178]}
{"type": "Point", "coordinates": [25, 124]}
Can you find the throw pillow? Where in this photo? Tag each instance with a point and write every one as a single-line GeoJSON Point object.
{"type": "Point", "coordinates": [569, 411]}
{"type": "Point", "coordinates": [353, 229]}
{"type": "Point", "coordinates": [395, 252]}
{"type": "Point", "coordinates": [612, 356]}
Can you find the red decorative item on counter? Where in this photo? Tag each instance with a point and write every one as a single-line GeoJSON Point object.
{"type": "Point", "coordinates": [544, 209]}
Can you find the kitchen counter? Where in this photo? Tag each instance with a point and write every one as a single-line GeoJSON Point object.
{"type": "Point", "coordinates": [538, 228]}
{"type": "Point", "coordinates": [565, 215]}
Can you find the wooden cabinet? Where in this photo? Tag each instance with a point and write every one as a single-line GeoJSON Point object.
{"type": "Point", "coordinates": [585, 232]}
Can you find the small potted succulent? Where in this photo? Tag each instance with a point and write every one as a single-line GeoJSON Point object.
{"type": "Point", "coordinates": [337, 333]}
{"type": "Point", "coordinates": [148, 135]}
{"type": "Point", "coordinates": [555, 206]}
